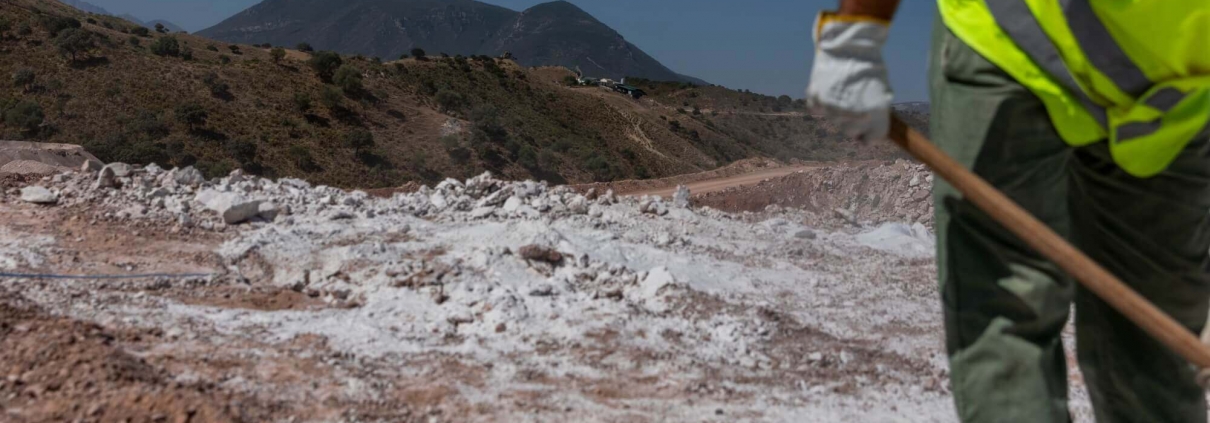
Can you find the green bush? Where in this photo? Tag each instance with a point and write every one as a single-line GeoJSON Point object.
{"type": "Point", "coordinates": [24, 78]}
{"type": "Point", "coordinates": [449, 101]}
{"type": "Point", "coordinates": [331, 97]}
{"type": "Point", "coordinates": [224, 59]}
{"type": "Point", "coordinates": [302, 158]}
{"type": "Point", "coordinates": [216, 85]}
{"type": "Point", "coordinates": [243, 151]}
{"type": "Point", "coordinates": [304, 47]}
{"type": "Point", "coordinates": [141, 31]}
{"type": "Point", "coordinates": [192, 115]}
{"type": "Point", "coordinates": [348, 78]}
{"type": "Point", "coordinates": [25, 116]}
{"type": "Point", "coordinates": [418, 53]}
{"type": "Point", "coordinates": [212, 47]}
{"type": "Point", "coordinates": [134, 41]}
{"type": "Point", "coordinates": [277, 54]}
{"type": "Point", "coordinates": [56, 24]}
{"type": "Point", "coordinates": [527, 158]}
{"type": "Point", "coordinates": [325, 64]}
{"type": "Point", "coordinates": [302, 102]}
{"type": "Point", "coordinates": [187, 54]}
{"type": "Point", "coordinates": [159, 27]}
{"type": "Point", "coordinates": [166, 46]}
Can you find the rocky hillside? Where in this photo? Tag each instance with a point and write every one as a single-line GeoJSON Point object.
{"type": "Point", "coordinates": [137, 96]}
{"type": "Point", "coordinates": [556, 33]}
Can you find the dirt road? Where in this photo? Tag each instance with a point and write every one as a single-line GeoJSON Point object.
{"type": "Point", "coordinates": [719, 184]}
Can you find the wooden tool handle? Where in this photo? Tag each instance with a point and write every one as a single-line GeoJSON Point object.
{"type": "Point", "coordinates": [1108, 287]}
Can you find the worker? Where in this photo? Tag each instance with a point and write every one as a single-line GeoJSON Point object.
{"type": "Point", "coordinates": [1093, 116]}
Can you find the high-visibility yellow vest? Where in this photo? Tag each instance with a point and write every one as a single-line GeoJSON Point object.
{"type": "Point", "coordinates": [1133, 72]}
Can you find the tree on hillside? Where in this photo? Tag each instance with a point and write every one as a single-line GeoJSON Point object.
{"type": "Point", "coordinates": [277, 54]}
{"type": "Point", "coordinates": [418, 53]}
{"type": "Point", "coordinates": [74, 43]}
{"type": "Point", "coordinates": [141, 31]}
{"type": "Point", "coordinates": [159, 27]}
{"type": "Point", "coordinates": [166, 46]}
{"type": "Point", "coordinates": [192, 115]}
{"type": "Point", "coordinates": [348, 78]}
{"type": "Point", "coordinates": [359, 139]}
{"type": "Point", "coordinates": [24, 78]}
{"type": "Point", "coordinates": [304, 47]}
{"type": "Point", "coordinates": [25, 116]}
{"type": "Point", "coordinates": [325, 64]}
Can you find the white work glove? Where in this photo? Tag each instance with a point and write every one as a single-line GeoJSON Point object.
{"type": "Point", "coordinates": [849, 82]}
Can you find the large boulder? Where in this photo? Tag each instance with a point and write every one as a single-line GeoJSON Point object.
{"type": "Point", "coordinates": [38, 195]}
{"type": "Point", "coordinates": [233, 207]}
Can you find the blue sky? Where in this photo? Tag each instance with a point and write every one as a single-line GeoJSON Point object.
{"type": "Point", "coordinates": [761, 45]}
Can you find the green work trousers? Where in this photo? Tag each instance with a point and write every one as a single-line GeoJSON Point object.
{"type": "Point", "coordinates": [1005, 306]}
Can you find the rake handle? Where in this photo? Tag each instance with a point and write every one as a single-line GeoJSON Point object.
{"type": "Point", "coordinates": [1046, 242]}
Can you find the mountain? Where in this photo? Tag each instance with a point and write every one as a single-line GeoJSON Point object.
{"type": "Point", "coordinates": [556, 33]}
{"type": "Point", "coordinates": [86, 6]}
{"type": "Point", "coordinates": [171, 27]}
{"type": "Point", "coordinates": [92, 8]}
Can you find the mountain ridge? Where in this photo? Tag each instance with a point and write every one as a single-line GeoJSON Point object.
{"type": "Point", "coordinates": [554, 33]}
{"type": "Point", "coordinates": [92, 8]}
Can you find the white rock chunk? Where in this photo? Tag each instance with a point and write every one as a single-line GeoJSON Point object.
{"type": "Point", "coordinates": [233, 207]}
{"type": "Point", "coordinates": [680, 198]}
{"type": "Point", "coordinates": [38, 195]}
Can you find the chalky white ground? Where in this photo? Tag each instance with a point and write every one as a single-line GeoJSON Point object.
{"type": "Point", "coordinates": [656, 313]}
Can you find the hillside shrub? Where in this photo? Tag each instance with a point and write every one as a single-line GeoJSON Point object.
{"type": "Point", "coordinates": [301, 156]}
{"type": "Point", "coordinates": [25, 116]}
{"type": "Point", "coordinates": [304, 47]}
{"type": "Point", "coordinates": [224, 59]}
{"type": "Point", "coordinates": [212, 47]}
{"type": "Point", "coordinates": [186, 54]}
{"type": "Point", "coordinates": [235, 49]}
{"type": "Point", "coordinates": [418, 53]}
{"type": "Point", "coordinates": [348, 78]}
{"type": "Point", "coordinates": [159, 27]}
{"type": "Point", "coordinates": [23, 29]}
{"type": "Point", "coordinates": [147, 124]}
{"type": "Point", "coordinates": [24, 78]}
{"type": "Point", "coordinates": [302, 102]}
{"type": "Point", "coordinates": [359, 139]}
{"type": "Point", "coordinates": [56, 24]}
{"type": "Point", "coordinates": [141, 31]}
{"type": "Point", "coordinates": [325, 64]}
{"type": "Point", "coordinates": [191, 115]}
{"type": "Point", "coordinates": [277, 54]}
{"type": "Point", "coordinates": [217, 87]}
{"type": "Point", "coordinates": [449, 101]}
{"type": "Point", "coordinates": [243, 151]}
{"type": "Point", "coordinates": [166, 46]}
{"type": "Point", "coordinates": [134, 41]}
{"type": "Point", "coordinates": [527, 158]}
{"type": "Point", "coordinates": [74, 43]}
{"type": "Point", "coordinates": [331, 97]}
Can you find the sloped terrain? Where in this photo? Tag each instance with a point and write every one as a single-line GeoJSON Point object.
{"type": "Point", "coordinates": [221, 106]}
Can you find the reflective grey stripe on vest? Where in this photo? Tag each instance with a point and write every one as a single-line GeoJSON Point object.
{"type": "Point", "coordinates": [1102, 51]}
{"type": "Point", "coordinates": [1015, 19]}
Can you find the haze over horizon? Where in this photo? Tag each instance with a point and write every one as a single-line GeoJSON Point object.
{"type": "Point", "coordinates": [760, 45]}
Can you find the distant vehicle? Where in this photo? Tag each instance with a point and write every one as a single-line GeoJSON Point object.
{"type": "Point", "coordinates": [633, 92]}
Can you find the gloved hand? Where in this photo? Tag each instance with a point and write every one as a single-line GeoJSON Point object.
{"type": "Point", "coordinates": [849, 82]}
